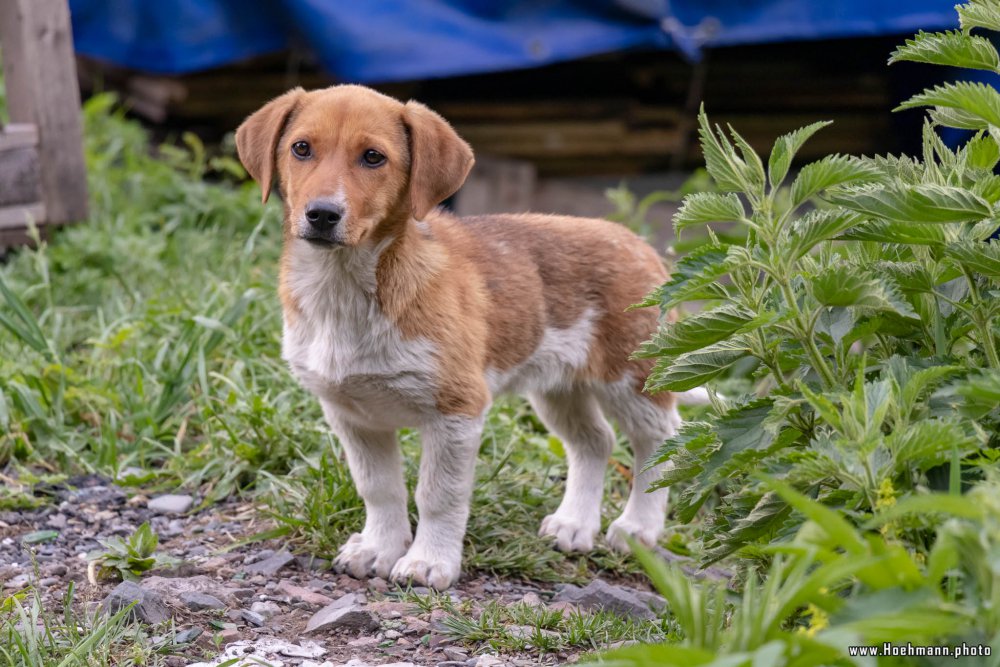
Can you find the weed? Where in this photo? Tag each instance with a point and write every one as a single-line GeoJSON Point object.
{"type": "Point", "coordinates": [129, 559]}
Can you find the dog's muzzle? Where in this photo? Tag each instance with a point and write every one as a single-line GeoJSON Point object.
{"type": "Point", "coordinates": [323, 226]}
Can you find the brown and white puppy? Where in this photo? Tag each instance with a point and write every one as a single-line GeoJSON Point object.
{"type": "Point", "coordinates": [397, 314]}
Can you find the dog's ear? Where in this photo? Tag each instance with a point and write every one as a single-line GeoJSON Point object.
{"type": "Point", "coordinates": [440, 160]}
{"type": "Point", "coordinates": [257, 138]}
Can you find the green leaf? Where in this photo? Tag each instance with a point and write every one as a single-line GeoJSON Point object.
{"type": "Point", "coordinates": [979, 14]}
{"type": "Point", "coordinates": [40, 536]}
{"type": "Point", "coordinates": [881, 231]}
{"type": "Point", "coordinates": [981, 258]}
{"type": "Point", "coordinates": [726, 168]}
{"type": "Point", "coordinates": [693, 275]}
{"type": "Point", "coordinates": [914, 203]}
{"type": "Point", "coordinates": [785, 149]}
{"type": "Point", "coordinates": [697, 331]}
{"type": "Point", "coordinates": [693, 369]}
{"type": "Point", "coordinates": [981, 152]}
{"type": "Point", "coordinates": [951, 48]}
{"type": "Point", "coordinates": [816, 227]}
{"type": "Point", "coordinates": [929, 443]}
{"type": "Point", "coordinates": [705, 207]}
{"type": "Point", "coordinates": [978, 100]}
{"type": "Point", "coordinates": [836, 527]}
{"type": "Point", "coordinates": [850, 285]}
{"type": "Point", "coordinates": [693, 436]}
{"type": "Point", "coordinates": [957, 118]}
{"type": "Point", "coordinates": [828, 172]}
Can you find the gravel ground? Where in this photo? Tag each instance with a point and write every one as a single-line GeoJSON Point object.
{"type": "Point", "coordinates": [258, 600]}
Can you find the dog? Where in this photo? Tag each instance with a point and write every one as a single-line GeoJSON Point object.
{"type": "Point", "coordinates": [398, 314]}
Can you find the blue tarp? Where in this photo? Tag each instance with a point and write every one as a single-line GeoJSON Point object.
{"type": "Point", "coordinates": [392, 40]}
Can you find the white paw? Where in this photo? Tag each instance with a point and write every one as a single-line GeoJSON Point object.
{"type": "Point", "coordinates": [570, 533]}
{"type": "Point", "coordinates": [647, 534]}
{"type": "Point", "coordinates": [362, 556]}
{"type": "Point", "coordinates": [426, 569]}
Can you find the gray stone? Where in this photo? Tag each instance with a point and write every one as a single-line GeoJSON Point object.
{"type": "Point", "coordinates": [270, 566]}
{"type": "Point", "coordinates": [171, 504]}
{"type": "Point", "coordinates": [175, 587]}
{"type": "Point", "coordinates": [266, 609]}
{"type": "Point", "coordinates": [187, 636]}
{"type": "Point", "coordinates": [196, 601]}
{"type": "Point", "coordinates": [599, 594]}
{"type": "Point", "coordinates": [489, 661]}
{"type": "Point", "coordinates": [345, 612]}
{"type": "Point", "coordinates": [253, 618]}
{"type": "Point", "coordinates": [149, 607]}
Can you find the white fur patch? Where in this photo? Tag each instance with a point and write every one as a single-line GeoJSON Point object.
{"type": "Point", "coordinates": [345, 350]}
{"type": "Point", "coordinates": [554, 363]}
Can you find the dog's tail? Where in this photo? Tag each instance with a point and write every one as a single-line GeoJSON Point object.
{"type": "Point", "coordinates": [696, 396]}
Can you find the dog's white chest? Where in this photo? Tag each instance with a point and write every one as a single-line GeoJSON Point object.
{"type": "Point", "coordinates": [344, 350]}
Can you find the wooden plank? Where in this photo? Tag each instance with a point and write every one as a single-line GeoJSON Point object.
{"type": "Point", "coordinates": [18, 135]}
{"type": "Point", "coordinates": [18, 236]}
{"type": "Point", "coordinates": [19, 216]}
{"type": "Point", "coordinates": [40, 71]}
{"type": "Point", "coordinates": [19, 176]}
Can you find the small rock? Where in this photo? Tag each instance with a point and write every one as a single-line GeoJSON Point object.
{"type": "Point", "coordinates": [266, 609]}
{"type": "Point", "coordinates": [378, 585]}
{"type": "Point", "coordinates": [253, 618]}
{"type": "Point", "coordinates": [393, 634]}
{"type": "Point", "coordinates": [196, 601]}
{"type": "Point", "coordinates": [363, 642]}
{"type": "Point", "coordinates": [532, 599]}
{"type": "Point", "coordinates": [171, 504]}
{"type": "Point", "coordinates": [187, 636]}
{"type": "Point", "coordinates": [149, 607]}
{"type": "Point", "coordinates": [599, 594]}
{"type": "Point", "coordinates": [455, 653]}
{"type": "Point", "coordinates": [489, 661]}
{"type": "Point", "coordinates": [270, 566]}
{"type": "Point", "coordinates": [346, 612]}
{"type": "Point", "coordinates": [18, 582]}
{"type": "Point", "coordinates": [300, 593]}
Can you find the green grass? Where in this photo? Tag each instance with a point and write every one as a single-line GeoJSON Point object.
{"type": "Point", "coordinates": [33, 636]}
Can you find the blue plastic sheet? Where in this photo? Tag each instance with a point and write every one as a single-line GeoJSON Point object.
{"type": "Point", "coordinates": [392, 40]}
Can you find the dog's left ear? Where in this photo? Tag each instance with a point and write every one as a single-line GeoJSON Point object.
{"type": "Point", "coordinates": [440, 160]}
{"type": "Point", "coordinates": [257, 138]}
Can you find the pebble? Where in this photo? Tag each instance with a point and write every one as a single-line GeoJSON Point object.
{"type": "Point", "coordinates": [270, 566]}
{"type": "Point", "coordinates": [266, 609]}
{"type": "Point", "coordinates": [346, 612]}
{"type": "Point", "coordinates": [149, 607]}
{"type": "Point", "coordinates": [253, 617]}
{"type": "Point", "coordinates": [196, 601]}
{"type": "Point", "coordinates": [599, 594]}
{"type": "Point", "coordinates": [171, 504]}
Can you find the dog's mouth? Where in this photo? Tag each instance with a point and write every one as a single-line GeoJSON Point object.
{"type": "Point", "coordinates": [320, 242]}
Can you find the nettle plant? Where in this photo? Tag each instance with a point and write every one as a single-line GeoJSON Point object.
{"type": "Point", "coordinates": [866, 294]}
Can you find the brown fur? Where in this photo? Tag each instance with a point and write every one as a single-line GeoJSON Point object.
{"type": "Point", "coordinates": [484, 289]}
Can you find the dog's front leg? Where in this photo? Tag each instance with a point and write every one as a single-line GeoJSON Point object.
{"type": "Point", "coordinates": [447, 470]}
{"type": "Point", "coordinates": [376, 465]}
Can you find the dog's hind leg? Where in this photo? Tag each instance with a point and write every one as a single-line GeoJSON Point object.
{"type": "Point", "coordinates": [575, 416]}
{"type": "Point", "coordinates": [647, 421]}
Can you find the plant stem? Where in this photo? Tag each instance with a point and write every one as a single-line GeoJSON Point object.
{"type": "Point", "coordinates": [806, 339]}
{"type": "Point", "coordinates": [988, 342]}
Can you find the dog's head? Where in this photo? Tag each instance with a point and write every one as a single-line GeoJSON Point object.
{"type": "Point", "coordinates": [348, 159]}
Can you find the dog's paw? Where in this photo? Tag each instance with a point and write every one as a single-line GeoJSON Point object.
{"type": "Point", "coordinates": [569, 533]}
{"type": "Point", "coordinates": [622, 528]}
{"type": "Point", "coordinates": [363, 557]}
{"type": "Point", "coordinates": [425, 569]}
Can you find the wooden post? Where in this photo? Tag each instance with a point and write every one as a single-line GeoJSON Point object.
{"type": "Point", "coordinates": [42, 90]}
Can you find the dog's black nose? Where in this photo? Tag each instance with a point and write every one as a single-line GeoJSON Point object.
{"type": "Point", "coordinates": [324, 216]}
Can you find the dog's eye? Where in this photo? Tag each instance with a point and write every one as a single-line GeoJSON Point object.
{"type": "Point", "coordinates": [301, 149]}
{"type": "Point", "coordinates": [372, 158]}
